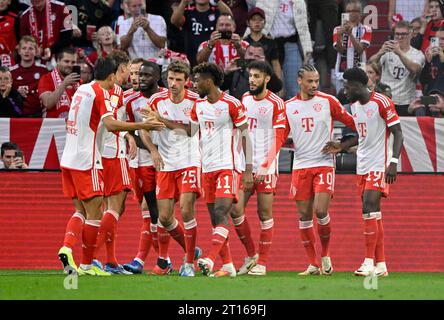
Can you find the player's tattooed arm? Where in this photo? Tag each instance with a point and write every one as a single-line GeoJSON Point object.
{"type": "Point", "coordinates": [390, 172]}
{"type": "Point", "coordinates": [336, 147]}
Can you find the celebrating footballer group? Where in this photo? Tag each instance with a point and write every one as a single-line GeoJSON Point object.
{"type": "Point", "coordinates": [193, 140]}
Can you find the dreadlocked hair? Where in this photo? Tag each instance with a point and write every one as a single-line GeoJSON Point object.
{"type": "Point", "coordinates": [306, 68]}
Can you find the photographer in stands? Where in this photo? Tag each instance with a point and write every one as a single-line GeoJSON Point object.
{"type": "Point", "coordinates": [12, 156]}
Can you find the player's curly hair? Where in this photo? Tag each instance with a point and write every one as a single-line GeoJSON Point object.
{"type": "Point", "coordinates": [179, 67]}
{"type": "Point", "coordinates": [210, 70]}
{"type": "Point", "coordinates": [262, 66]}
{"type": "Point", "coordinates": [120, 57]}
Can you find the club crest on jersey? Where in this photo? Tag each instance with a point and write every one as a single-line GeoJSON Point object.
{"type": "Point", "coordinates": [218, 112]}
{"type": "Point", "coordinates": [36, 76]}
{"type": "Point", "coordinates": [370, 113]}
{"type": "Point", "coordinates": [317, 107]}
{"type": "Point", "coordinates": [186, 111]}
{"type": "Point", "coordinates": [262, 110]}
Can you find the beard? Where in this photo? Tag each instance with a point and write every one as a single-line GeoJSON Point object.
{"type": "Point", "coordinates": [258, 90]}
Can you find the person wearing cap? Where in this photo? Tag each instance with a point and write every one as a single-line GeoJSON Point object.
{"type": "Point", "coordinates": [256, 23]}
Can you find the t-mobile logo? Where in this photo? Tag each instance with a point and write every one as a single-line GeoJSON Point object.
{"type": "Point", "coordinates": [307, 124]}
{"type": "Point", "coordinates": [362, 127]}
{"type": "Point", "coordinates": [197, 28]}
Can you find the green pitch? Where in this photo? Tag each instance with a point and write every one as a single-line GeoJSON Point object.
{"type": "Point", "coordinates": [36, 284]}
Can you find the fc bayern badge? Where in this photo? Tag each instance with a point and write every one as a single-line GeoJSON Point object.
{"type": "Point", "coordinates": [37, 76]}
{"type": "Point", "coordinates": [370, 113]}
{"type": "Point", "coordinates": [317, 107]}
{"type": "Point", "coordinates": [211, 17]}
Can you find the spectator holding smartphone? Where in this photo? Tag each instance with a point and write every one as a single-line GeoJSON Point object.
{"type": "Point", "coordinates": [434, 19]}
{"type": "Point", "coordinates": [224, 45]}
{"type": "Point", "coordinates": [57, 88]}
{"type": "Point", "coordinates": [12, 157]}
{"type": "Point", "coordinates": [428, 106]}
{"type": "Point", "coordinates": [432, 76]}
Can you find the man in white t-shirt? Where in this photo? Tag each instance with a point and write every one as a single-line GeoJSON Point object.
{"type": "Point", "coordinates": [143, 35]}
{"type": "Point", "coordinates": [401, 65]}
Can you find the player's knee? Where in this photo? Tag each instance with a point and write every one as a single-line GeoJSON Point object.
{"type": "Point", "coordinates": [221, 214]}
{"type": "Point", "coordinates": [321, 213]}
{"type": "Point", "coordinates": [187, 213]}
{"type": "Point", "coordinates": [369, 205]}
{"type": "Point", "coordinates": [264, 214]}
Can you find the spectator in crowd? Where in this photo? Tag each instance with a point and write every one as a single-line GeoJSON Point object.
{"type": "Point", "coordinates": [49, 25]}
{"type": "Point", "coordinates": [286, 21]}
{"type": "Point", "coordinates": [435, 20]}
{"type": "Point", "coordinates": [8, 40]}
{"type": "Point", "coordinates": [12, 157]}
{"type": "Point", "coordinates": [6, 57]}
{"type": "Point", "coordinates": [401, 66]}
{"type": "Point", "coordinates": [239, 10]}
{"type": "Point", "coordinates": [417, 24]}
{"type": "Point", "coordinates": [198, 21]}
{"type": "Point", "coordinates": [432, 76]}
{"type": "Point", "coordinates": [237, 78]}
{"type": "Point", "coordinates": [420, 109]}
{"type": "Point", "coordinates": [350, 40]}
{"type": "Point", "coordinates": [86, 72]}
{"type": "Point", "coordinates": [373, 71]}
{"type": "Point", "coordinates": [57, 88]}
{"type": "Point", "coordinates": [256, 23]}
{"type": "Point", "coordinates": [92, 15]}
{"type": "Point", "coordinates": [224, 45]}
{"type": "Point", "coordinates": [26, 74]}
{"type": "Point", "coordinates": [143, 35]}
{"type": "Point", "coordinates": [11, 102]}
{"type": "Point", "coordinates": [105, 44]}
{"type": "Point", "coordinates": [408, 9]}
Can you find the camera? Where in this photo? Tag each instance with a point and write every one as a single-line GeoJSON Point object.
{"type": "Point", "coordinates": [226, 35]}
{"type": "Point", "coordinates": [76, 69]}
{"type": "Point", "coordinates": [428, 100]}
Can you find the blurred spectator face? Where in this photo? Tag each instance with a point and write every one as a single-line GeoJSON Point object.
{"type": "Point", "coordinates": [355, 12]}
{"type": "Point", "coordinates": [176, 82]}
{"type": "Point", "coordinates": [105, 36]}
{"type": "Point", "coordinates": [27, 51]}
{"type": "Point", "coordinates": [66, 63]}
{"type": "Point", "coordinates": [5, 81]}
{"type": "Point", "coordinates": [256, 23]}
{"type": "Point", "coordinates": [416, 27]}
{"type": "Point", "coordinates": [38, 4]}
{"type": "Point", "coordinates": [440, 35]}
{"type": "Point", "coordinates": [135, 7]}
{"type": "Point", "coordinates": [86, 73]}
{"type": "Point", "coordinates": [134, 75]}
{"type": "Point", "coordinates": [202, 2]}
{"type": "Point", "coordinates": [372, 75]}
{"type": "Point", "coordinates": [4, 4]}
{"type": "Point", "coordinates": [225, 23]}
{"type": "Point", "coordinates": [147, 78]}
{"type": "Point", "coordinates": [435, 11]}
{"type": "Point", "coordinates": [7, 157]}
{"type": "Point", "coordinates": [255, 53]}
{"type": "Point", "coordinates": [403, 36]}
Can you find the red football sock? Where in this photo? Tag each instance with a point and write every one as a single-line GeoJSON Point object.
{"type": "Point", "coordinates": [265, 241]}
{"type": "Point", "coordinates": [370, 235]}
{"type": "Point", "coordinates": [164, 241]}
{"type": "Point", "coordinates": [308, 240]}
{"type": "Point", "coordinates": [220, 234]}
{"type": "Point", "coordinates": [190, 239]}
{"type": "Point", "coordinates": [107, 231]}
{"type": "Point", "coordinates": [243, 231]}
{"type": "Point", "coordinates": [155, 237]}
{"type": "Point", "coordinates": [145, 240]}
{"type": "Point", "coordinates": [90, 230]}
{"type": "Point", "coordinates": [324, 231]}
{"type": "Point", "coordinates": [73, 229]}
{"type": "Point", "coordinates": [176, 232]}
{"type": "Point", "coordinates": [225, 253]}
{"type": "Point", "coordinates": [379, 252]}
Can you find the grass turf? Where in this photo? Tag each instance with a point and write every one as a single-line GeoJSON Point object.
{"type": "Point", "coordinates": [48, 284]}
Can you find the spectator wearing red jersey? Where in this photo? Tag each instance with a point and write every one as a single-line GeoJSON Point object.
{"type": "Point", "coordinates": [8, 38]}
{"type": "Point", "coordinates": [57, 88]}
{"type": "Point", "coordinates": [106, 43]}
{"type": "Point", "coordinates": [25, 76]}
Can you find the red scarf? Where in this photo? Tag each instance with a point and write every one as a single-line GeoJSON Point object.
{"type": "Point", "coordinates": [219, 54]}
{"type": "Point", "coordinates": [65, 99]}
{"type": "Point", "coordinates": [35, 27]}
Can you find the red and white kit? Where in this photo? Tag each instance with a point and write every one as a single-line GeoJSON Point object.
{"type": "Point", "coordinates": [220, 144]}
{"type": "Point", "coordinates": [82, 157]}
{"type": "Point", "coordinates": [180, 154]}
{"type": "Point", "coordinates": [372, 122]}
{"type": "Point", "coordinates": [311, 125]}
{"type": "Point", "coordinates": [264, 117]}
{"type": "Point", "coordinates": [115, 165]}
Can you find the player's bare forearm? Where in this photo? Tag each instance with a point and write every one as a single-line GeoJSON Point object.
{"type": "Point", "coordinates": [349, 143]}
{"type": "Point", "coordinates": [181, 128]}
{"type": "Point", "coordinates": [398, 140]}
{"type": "Point", "coordinates": [147, 142]}
{"type": "Point", "coordinates": [112, 124]}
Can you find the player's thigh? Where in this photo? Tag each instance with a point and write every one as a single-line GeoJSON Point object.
{"type": "Point", "coordinates": [321, 203]}
{"type": "Point", "coordinates": [210, 207]}
{"type": "Point", "coordinates": [93, 208]}
{"type": "Point", "coordinates": [305, 209]}
{"type": "Point", "coordinates": [186, 202]}
{"type": "Point", "coordinates": [238, 209]}
{"type": "Point", "coordinates": [301, 188]}
{"type": "Point", "coordinates": [166, 211]}
{"type": "Point", "coordinates": [222, 207]}
{"type": "Point", "coordinates": [79, 206]}
{"type": "Point", "coordinates": [116, 202]}
{"type": "Point", "coordinates": [265, 205]}
{"type": "Point", "coordinates": [371, 201]}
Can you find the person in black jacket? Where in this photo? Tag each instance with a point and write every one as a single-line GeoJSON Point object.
{"type": "Point", "coordinates": [11, 102]}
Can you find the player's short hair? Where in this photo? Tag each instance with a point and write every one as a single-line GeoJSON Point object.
{"type": "Point", "coordinates": [8, 146]}
{"type": "Point", "coordinates": [138, 60]}
{"type": "Point", "coordinates": [152, 65]}
{"type": "Point", "coordinates": [306, 68]}
{"type": "Point", "coordinates": [179, 67]}
{"type": "Point", "coordinates": [356, 74]}
{"type": "Point", "coordinates": [67, 50]}
{"type": "Point", "coordinates": [210, 70]}
{"type": "Point", "coordinates": [104, 67]}
{"type": "Point", "coordinates": [228, 15]}
{"type": "Point", "coordinates": [403, 25]}
{"type": "Point", "coordinates": [262, 66]}
{"type": "Point", "coordinates": [120, 57]}
{"type": "Point", "coordinates": [256, 45]}
{"type": "Point", "coordinates": [28, 38]}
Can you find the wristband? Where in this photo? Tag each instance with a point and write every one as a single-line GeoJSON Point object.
{"type": "Point", "coordinates": [394, 160]}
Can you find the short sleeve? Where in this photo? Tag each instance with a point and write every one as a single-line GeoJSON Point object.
{"type": "Point", "coordinates": [387, 110]}
{"type": "Point", "coordinates": [193, 114]}
{"type": "Point", "coordinates": [45, 85]}
{"type": "Point", "coordinates": [123, 28]}
{"type": "Point", "coordinates": [339, 113]}
{"type": "Point", "coordinates": [238, 113]}
{"type": "Point", "coordinates": [279, 115]}
{"type": "Point", "coordinates": [103, 106]}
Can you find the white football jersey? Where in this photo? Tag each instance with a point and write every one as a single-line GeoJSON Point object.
{"type": "Point", "coordinates": [264, 116]}
{"type": "Point", "coordinates": [85, 136]}
{"type": "Point", "coordinates": [311, 125]}
{"type": "Point", "coordinates": [177, 151]}
{"type": "Point", "coordinates": [372, 121]}
{"type": "Point", "coordinates": [219, 136]}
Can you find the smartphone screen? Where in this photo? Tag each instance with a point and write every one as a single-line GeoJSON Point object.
{"type": "Point", "coordinates": [76, 69]}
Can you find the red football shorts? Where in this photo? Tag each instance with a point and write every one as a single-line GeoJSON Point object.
{"type": "Point", "coordinates": [220, 184]}
{"type": "Point", "coordinates": [82, 184]}
{"type": "Point", "coordinates": [374, 180]}
{"type": "Point", "coordinates": [306, 182]}
{"type": "Point", "coordinates": [171, 184]}
{"type": "Point", "coordinates": [116, 176]}
{"type": "Point", "coordinates": [266, 186]}
{"type": "Point", "coordinates": [143, 180]}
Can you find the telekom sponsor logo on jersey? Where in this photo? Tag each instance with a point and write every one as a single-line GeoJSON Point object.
{"type": "Point", "coordinates": [307, 124]}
